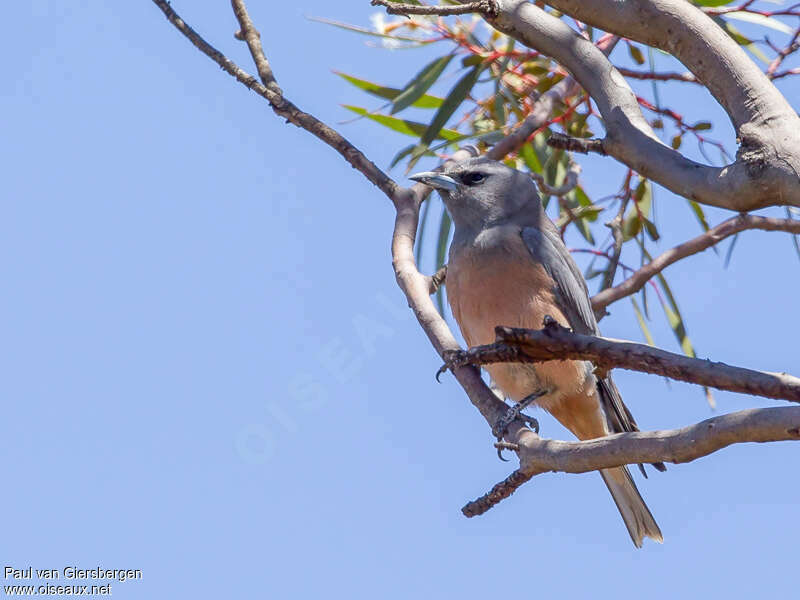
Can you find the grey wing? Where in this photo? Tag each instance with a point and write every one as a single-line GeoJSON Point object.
{"type": "Point", "coordinates": [570, 289]}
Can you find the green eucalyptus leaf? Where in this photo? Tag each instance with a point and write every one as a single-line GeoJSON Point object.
{"type": "Point", "coordinates": [441, 251]}
{"type": "Point", "coordinates": [531, 159]}
{"type": "Point", "coordinates": [421, 83]}
{"type": "Point", "coordinates": [451, 103]}
{"type": "Point", "coordinates": [642, 323]}
{"type": "Point", "coordinates": [389, 93]}
{"type": "Point", "coordinates": [403, 126]}
{"type": "Point", "coordinates": [636, 54]}
{"type": "Point", "coordinates": [758, 19]}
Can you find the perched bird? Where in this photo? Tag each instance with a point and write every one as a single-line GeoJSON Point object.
{"type": "Point", "coordinates": [508, 266]}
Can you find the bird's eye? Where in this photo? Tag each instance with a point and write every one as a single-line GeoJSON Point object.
{"type": "Point", "coordinates": [473, 178]}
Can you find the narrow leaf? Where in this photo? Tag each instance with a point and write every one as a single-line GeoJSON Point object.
{"type": "Point", "coordinates": [531, 159]}
{"type": "Point", "coordinates": [389, 93]}
{"type": "Point", "coordinates": [423, 220]}
{"type": "Point", "coordinates": [403, 126]}
{"type": "Point", "coordinates": [421, 83]}
{"type": "Point", "coordinates": [370, 32]}
{"type": "Point", "coordinates": [712, 3]}
{"type": "Point", "coordinates": [675, 319]}
{"type": "Point", "coordinates": [441, 250]}
{"type": "Point", "coordinates": [762, 20]}
{"type": "Point", "coordinates": [451, 103]}
{"type": "Point", "coordinates": [729, 253]}
{"type": "Point", "coordinates": [642, 323]}
{"type": "Point", "coordinates": [636, 54]}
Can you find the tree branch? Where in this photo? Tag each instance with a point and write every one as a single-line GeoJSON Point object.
{"type": "Point", "coordinates": [573, 144]}
{"type": "Point", "coordinates": [647, 75]}
{"type": "Point", "coordinates": [766, 172]}
{"type": "Point", "coordinates": [767, 169]}
{"type": "Point", "coordinates": [673, 445]}
{"type": "Point", "coordinates": [702, 242]}
{"type": "Point", "coordinates": [556, 342]}
{"type": "Point", "coordinates": [484, 7]}
{"type": "Point", "coordinates": [283, 107]}
{"type": "Point", "coordinates": [250, 34]}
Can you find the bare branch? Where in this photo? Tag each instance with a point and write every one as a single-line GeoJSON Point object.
{"type": "Point", "coordinates": [767, 168]}
{"type": "Point", "coordinates": [702, 242]}
{"type": "Point", "coordinates": [283, 107]}
{"type": "Point", "coordinates": [786, 73]}
{"type": "Point", "coordinates": [673, 445]}
{"type": "Point", "coordinates": [497, 494]}
{"type": "Point", "coordinates": [573, 144]}
{"type": "Point", "coordinates": [534, 346]}
{"type": "Point", "coordinates": [790, 48]}
{"type": "Point", "coordinates": [619, 239]}
{"type": "Point", "coordinates": [647, 75]}
{"type": "Point", "coordinates": [253, 38]}
{"type": "Point", "coordinates": [485, 7]}
{"type": "Point", "coordinates": [685, 31]}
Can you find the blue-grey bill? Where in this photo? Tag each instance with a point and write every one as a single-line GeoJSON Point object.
{"type": "Point", "coordinates": [435, 180]}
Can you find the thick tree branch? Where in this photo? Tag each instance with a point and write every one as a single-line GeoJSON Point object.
{"type": "Point", "coordinates": [767, 169]}
{"type": "Point", "coordinates": [674, 445]}
{"type": "Point", "coordinates": [686, 32]}
{"type": "Point", "coordinates": [764, 174]}
{"type": "Point", "coordinates": [702, 242]}
{"type": "Point", "coordinates": [556, 342]}
{"type": "Point", "coordinates": [484, 7]}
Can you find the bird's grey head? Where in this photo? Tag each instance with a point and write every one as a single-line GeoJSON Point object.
{"type": "Point", "coordinates": [480, 192]}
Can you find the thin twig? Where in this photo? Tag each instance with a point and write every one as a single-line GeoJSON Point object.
{"type": "Point", "coordinates": [251, 35]}
{"type": "Point", "coordinates": [484, 7]}
{"type": "Point", "coordinates": [497, 494]}
{"type": "Point", "coordinates": [573, 144]}
{"type": "Point", "coordinates": [702, 242]}
{"type": "Point", "coordinates": [283, 107]}
{"type": "Point", "coordinates": [669, 76]}
{"type": "Point", "coordinates": [619, 239]}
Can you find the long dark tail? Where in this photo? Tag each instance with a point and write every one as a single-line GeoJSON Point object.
{"type": "Point", "coordinates": [634, 511]}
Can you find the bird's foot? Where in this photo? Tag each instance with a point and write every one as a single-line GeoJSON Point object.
{"type": "Point", "coordinates": [514, 412]}
{"type": "Point", "coordinates": [452, 360]}
{"type": "Point", "coordinates": [500, 444]}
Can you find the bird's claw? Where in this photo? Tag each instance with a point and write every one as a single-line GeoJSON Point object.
{"type": "Point", "coordinates": [515, 412]}
{"type": "Point", "coordinates": [452, 359]}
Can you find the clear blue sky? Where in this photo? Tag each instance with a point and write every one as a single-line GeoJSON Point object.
{"type": "Point", "coordinates": [208, 372]}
